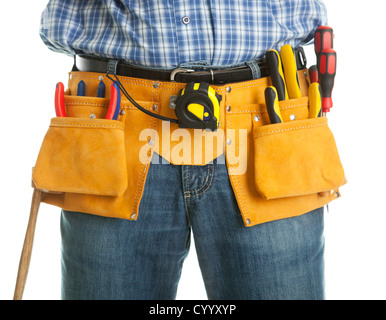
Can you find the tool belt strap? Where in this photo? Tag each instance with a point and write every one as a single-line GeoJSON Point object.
{"type": "Point", "coordinates": [184, 75]}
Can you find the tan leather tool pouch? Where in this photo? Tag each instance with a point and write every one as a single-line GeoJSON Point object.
{"type": "Point", "coordinates": [83, 156]}
{"type": "Point", "coordinates": [296, 158]}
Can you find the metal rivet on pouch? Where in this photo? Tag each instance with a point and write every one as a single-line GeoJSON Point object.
{"type": "Point", "coordinates": [92, 116]}
{"type": "Point", "coordinates": [292, 117]}
{"type": "Point", "coordinates": [100, 78]}
{"type": "Point", "coordinates": [337, 194]}
{"type": "Point", "coordinates": [229, 141]}
{"type": "Point", "coordinates": [122, 112]}
{"type": "Point", "coordinates": [248, 221]}
{"type": "Point", "coordinates": [154, 107]}
{"type": "Point", "coordinates": [229, 89]}
{"type": "Point", "coordinates": [256, 118]}
{"type": "Point", "coordinates": [305, 74]}
{"type": "Point", "coordinates": [228, 108]}
{"type": "Point", "coordinates": [155, 85]}
{"type": "Point", "coordinates": [133, 216]}
{"type": "Point", "coordinates": [151, 142]}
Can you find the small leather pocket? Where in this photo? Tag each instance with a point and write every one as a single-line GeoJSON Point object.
{"type": "Point", "coordinates": [84, 156]}
{"type": "Point", "coordinates": [296, 158]}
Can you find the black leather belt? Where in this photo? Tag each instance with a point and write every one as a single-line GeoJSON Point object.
{"type": "Point", "coordinates": [219, 76]}
{"type": "Point", "coordinates": [222, 76]}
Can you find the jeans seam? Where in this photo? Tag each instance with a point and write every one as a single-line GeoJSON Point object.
{"type": "Point", "coordinates": [206, 184]}
{"type": "Point", "coordinates": [187, 206]}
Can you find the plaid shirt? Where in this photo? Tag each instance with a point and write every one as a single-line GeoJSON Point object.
{"type": "Point", "coordinates": [168, 33]}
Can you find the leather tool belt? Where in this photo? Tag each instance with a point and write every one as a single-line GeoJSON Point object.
{"type": "Point", "coordinates": [99, 166]}
{"type": "Point", "coordinates": [93, 165]}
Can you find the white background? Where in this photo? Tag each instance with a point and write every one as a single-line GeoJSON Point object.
{"type": "Point", "coordinates": [354, 227]}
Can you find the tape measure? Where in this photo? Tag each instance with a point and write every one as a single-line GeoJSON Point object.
{"type": "Point", "coordinates": [197, 106]}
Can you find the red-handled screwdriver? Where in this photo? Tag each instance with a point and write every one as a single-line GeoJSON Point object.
{"type": "Point", "coordinates": [327, 71]}
{"type": "Point", "coordinates": [324, 39]}
{"type": "Point", "coordinates": [324, 36]}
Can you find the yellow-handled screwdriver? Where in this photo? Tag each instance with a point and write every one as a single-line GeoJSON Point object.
{"type": "Point", "coordinates": [272, 103]}
{"type": "Point", "coordinates": [276, 72]}
{"type": "Point", "coordinates": [290, 71]}
{"type": "Point", "coordinates": [314, 101]}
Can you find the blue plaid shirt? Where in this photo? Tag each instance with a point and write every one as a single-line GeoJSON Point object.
{"type": "Point", "coordinates": [168, 33]}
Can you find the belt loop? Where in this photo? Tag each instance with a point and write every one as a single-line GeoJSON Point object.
{"type": "Point", "coordinates": [254, 66]}
{"type": "Point", "coordinates": [112, 66]}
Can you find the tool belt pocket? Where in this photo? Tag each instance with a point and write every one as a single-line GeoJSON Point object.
{"type": "Point", "coordinates": [84, 156]}
{"type": "Point", "coordinates": [296, 158]}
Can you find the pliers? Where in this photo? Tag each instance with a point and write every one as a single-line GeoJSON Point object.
{"type": "Point", "coordinates": [112, 112]}
{"type": "Point", "coordinates": [60, 109]}
{"type": "Point", "coordinates": [115, 102]}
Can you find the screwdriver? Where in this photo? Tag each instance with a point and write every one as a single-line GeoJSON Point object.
{"type": "Point", "coordinates": [276, 72]}
{"type": "Point", "coordinates": [323, 39]}
{"type": "Point", "coordinates": [290, 71]}
{"type": "Point", "coordinates": [272, 102]}
{"type": "Point", "coordinates": [327, 71]}
{"type": "Point", "coordinates": [313, 71]}
{"type": "Point", "coordinates": [315, 100]}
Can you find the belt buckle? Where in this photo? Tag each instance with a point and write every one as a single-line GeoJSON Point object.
{"type": "Point", "coordinates": [179, 70]}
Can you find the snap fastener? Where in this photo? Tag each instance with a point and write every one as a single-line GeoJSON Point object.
{"type": "Point", "coordinates": [292, 117]}
{"type": "Point", "coordinates": [256, 118]}
{"type": "Point", "coordinates": [185, 20]}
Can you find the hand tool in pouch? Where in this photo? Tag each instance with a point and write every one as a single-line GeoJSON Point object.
{"type": "Point", "coordinates": [101, 89]}
{"type": "Point", "coordinates": [323, 40]}
{"type": "Point", "coordinates": [197, 106]}
{"type": "Point", "coordinates": [314, 100]}
{"type": "Point", "coordinates": [272, 103]}
{"type": "Point", "coordinates": [290, 71]}
{"type": "Point", "coordinates": [60, 108]}
{"type": "Point", "coordinates": [276, 73]}
{"type": "Point", "coordinates": [81, 90]}
{"type": "Point", "coordinates": [313, 71]}
{"type": "Point", "coordinates": [327, 71]}
{"type": "Point", "coordinates": [324, 37]}
{"type": "Point", "coordinates": [115, 102]}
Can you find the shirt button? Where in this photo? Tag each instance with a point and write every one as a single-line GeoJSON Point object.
{"type": "Point", "coordinates": [185, 20]}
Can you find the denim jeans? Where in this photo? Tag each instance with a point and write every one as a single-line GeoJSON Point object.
{"type": "Point", "coordinates": [108, 258]}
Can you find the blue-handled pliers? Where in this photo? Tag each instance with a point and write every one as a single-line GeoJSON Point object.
{"type": "Point", "coordinates": [112, 112]}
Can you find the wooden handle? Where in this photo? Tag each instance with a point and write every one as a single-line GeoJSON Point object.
{"type": "Point", "coordinates": [27, 247]}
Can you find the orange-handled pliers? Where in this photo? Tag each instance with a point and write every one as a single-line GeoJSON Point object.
{"type": "Point", "coordinates": [60, 109]}
{"type": "Point", "coordinates": [115, 102]}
